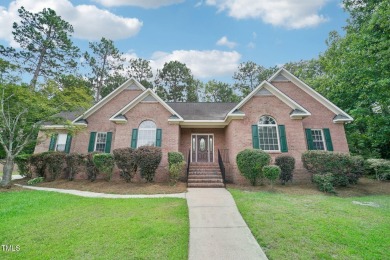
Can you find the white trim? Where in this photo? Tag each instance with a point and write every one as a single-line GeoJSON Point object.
{"type": "Point", "coordinates": [276, 92]}
{"type": "Point", "coordinates": [110, 96]}
{"type": "Point", "coordinates": [196, 148]}
{"type": "Point", "coordinates": [138, 99]}
{"type": "Point", "coordinates": [317, 96]}
{"type": "Point", "coordinates": [47, 127]}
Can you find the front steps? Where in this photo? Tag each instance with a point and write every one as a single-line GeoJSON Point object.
{"type": "Point", "coordinates": [207, 175]}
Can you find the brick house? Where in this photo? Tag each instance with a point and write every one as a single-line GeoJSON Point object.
{"type": "Point", "coordinates": [281, 116]}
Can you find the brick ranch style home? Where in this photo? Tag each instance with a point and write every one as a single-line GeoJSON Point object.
{"type": "Point", "coordinates": [281, 116]}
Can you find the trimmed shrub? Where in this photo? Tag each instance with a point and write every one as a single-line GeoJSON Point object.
{"type": "Point", "coordinates": [324, 182]}
{"type": "Point", "coordinates": [74, 163]}
{"type": "Point", "coordinates": [175, 166]}
{"type": "Point", "coordinates": [380, 167]}
{"type": "Point", "coordinates": [92, 171]}
{"type": "Point", "coordinates": [175, 157]}
{"type": "Point", "coordinates": [148, 158]}
{"type": "Point", "coordinates": [35, 181]}
{"type": "Point", "coordinates": [250, 162]}
{"type": "Point", "coordinates": [39, 164]}
{"type": "Point", "coordinates": [272, 173]}
{"type": "Point", "coordinates": [105, 163]}
{"type": "Point", "coordinates": [124, 159]}
{"type": "Point", "coordinates": [55, 164]}
{"type": "Point", "coordinates": [23, 162]}
{"type": "Point", "coordinates": [287, 166]}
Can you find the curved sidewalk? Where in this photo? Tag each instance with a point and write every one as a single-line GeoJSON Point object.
{"type": "Point", "coordinates": [90, 194]}
{"type": "Point", "coordinates": [217, 229]}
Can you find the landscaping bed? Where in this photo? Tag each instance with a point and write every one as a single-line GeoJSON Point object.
{"type": "Point", "coordinates": [113, 186]}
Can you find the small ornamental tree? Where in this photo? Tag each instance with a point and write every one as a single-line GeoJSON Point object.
{"type": "Point", "coordinates": [125, 160]}
{"type": "Point", "coordinates": [287, 165]}
{"type": "Point", "coordinates": [250, 162]}
{"type": "Point", "coordinates": [105, 163]}
{"type": "Point", "coordinates": [74, 163]}
{"type": "Point", "coordinates": [271, 172]}
{"type": "Point", "coordinates": [148, 158]}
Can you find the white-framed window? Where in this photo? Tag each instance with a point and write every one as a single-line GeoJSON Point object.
{"type": "Point", "coordinates": [100, 142]}
{"type": "Point", "coordinates": [147, 133]}
{"type": "Point", "coordinates": [61, 142]}
{"type": "Point", "coordinates": [268, 134]}
{"type": "Point", "coordinates": [318, 139]}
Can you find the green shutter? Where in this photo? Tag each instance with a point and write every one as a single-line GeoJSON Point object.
{"type": "Point", "coordinates": [92, 138]}
{"type": "Point", "coordinates": [68, 143]}
{"type": "Point", "coordinates": [255, 137]}
{"type": "Point", "coordinates": [328, 139]}
{"type": "Point", "coordinates": [309, 139]}
{"type": "Point", "coordinates": [158, 137]}
{"type": "Point", "coordinates": [134, 137]}
{"type": "Point", "coordinates": [283, 139]}
{"type": "Point", "coordinates": [53, 141]}
{"type": "Point", "coordinates": [108, 142]}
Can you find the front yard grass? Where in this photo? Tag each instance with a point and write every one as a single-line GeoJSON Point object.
{"type": "Point", "coordinates": [317, 226]}
{"type": "Point", "coordinates": [48, 225]}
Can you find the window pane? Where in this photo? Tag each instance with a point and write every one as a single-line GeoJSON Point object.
{"type": "Point", "coordinates": [147, 134]}
{"type": "Point", "coordinates": [101, 142]}
{"type": "Point", "coordinates": [268, 135]}
{"type": "Point", "coordinates": [318, 141]}
{"type": "Point", "coordinates": [61, 142]}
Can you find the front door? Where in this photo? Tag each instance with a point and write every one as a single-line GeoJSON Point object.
{"type": "Point", "coordinates": [202, 148]}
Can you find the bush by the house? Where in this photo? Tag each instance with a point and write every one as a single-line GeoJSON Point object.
{"type": "Point", "coordinates": [287, 166]}
{"type": "Point", "coordinates": [105, 163]}
{"type": "Point", "coordinates": [54, 163]}
{"type": "Point", "coordinates": [92, 171]}
{"type": "Point", "coordinates": [175, 166]}
{"type": "Point", "coordinates": [74, 163]}
{"type": "Point", "coordinates": [271, 172]}
{"type": "Point", "coordinates": [35, 181]}
{"type": "Point", "coordinates": [380, 167]}
{"type": "Point", "coordinates": [148, 158]}
{"type": "Point", "coordinates": [324, 182]}
{"type": "Point", "coordinates": [124, 159]}
{"type": "Point", "coordinates": [250, 162]}
{"type": "Point", "coordinates": [38, 163]}
{"type": "Point", "coordinates": [23, 162]}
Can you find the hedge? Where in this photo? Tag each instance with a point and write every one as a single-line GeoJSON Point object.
{"type": "Point", "coordinates": [125, 160]}
{"type": "Point", "coordinates": [271, 172]}
{"type": "Point", "coordinates": [287, 166]}
{"type": "Point", "coordinates": [250, 162]}
{"type": "Point", "coordinates": [148, 158]}
{"type": "Point", "coordinates": [55, 164]}
{"type": "Point", "coordinates": [23, 162]}
{"type": "Point", "coordinates": [380, 167]}
{"type": "Point", "coordinates": [105, 164]}
{"type": "Point", "coordinates": [75, 162]}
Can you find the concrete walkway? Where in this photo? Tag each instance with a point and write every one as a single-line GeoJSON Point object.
{"type": "Point", "coordinates": [90, 194]}
{"type": "Point", "coordinates": [217, 230]}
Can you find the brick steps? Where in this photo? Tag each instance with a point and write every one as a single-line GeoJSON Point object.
{"type": "Point", "coordinates": [205, 176]}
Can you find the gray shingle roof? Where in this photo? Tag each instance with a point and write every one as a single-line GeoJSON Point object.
{"type": "Point", "coordinates": [202, 110]}
{"type": "Point", "coordinates": [65, 115]}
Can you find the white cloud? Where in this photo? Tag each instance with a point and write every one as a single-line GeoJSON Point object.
{"type": "Point", "coordinates": [251, 45]}
{"type": "Point", "coordinates": [225, 42]}
{"type": "Point", "coordinates": [139, 3]}
{"type": "Point", "coordinates": [89, 22]}
{"type": "Point", "coordinates": [292, 14]}
{"type": "Point", "coordinates": [203, 64]}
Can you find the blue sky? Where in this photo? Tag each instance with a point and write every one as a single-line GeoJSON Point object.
{"type": "Point", "coordinates": [211, 36]}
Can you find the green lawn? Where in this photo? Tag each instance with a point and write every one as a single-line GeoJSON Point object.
{"type": "Point", "coordinates": [317, 226]}
{"type": "Point", "coordinates": [48, 225]}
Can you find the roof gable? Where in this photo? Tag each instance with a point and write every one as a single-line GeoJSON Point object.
{"type": "Point", "coordinates": [147, 96]}
{"type": "Point", "coordinates": [266, 89]}
{"type": "Point", "coordinates": [130, 84]}
{"type": "Point", "coordinates": [341, 116]}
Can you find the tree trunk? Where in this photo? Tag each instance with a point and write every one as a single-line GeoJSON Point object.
{"type": "Point", "coordinates": [7, 171]}
{"type": "Point", "coordinates": [34, 80]}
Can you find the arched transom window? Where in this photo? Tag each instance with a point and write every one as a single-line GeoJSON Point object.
{"type": "Point", "coordinates": [268, 134]}
{"type": "Point", "coordinates": [146, 134]}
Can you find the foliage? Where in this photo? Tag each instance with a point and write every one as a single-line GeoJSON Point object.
{"type": "Point", "coordinates": [54, 163]}
{"type": "Point", "coordinates": [247, 77]}
{"type": "Point", "coordinates": [92, 170]}
{"type": "Point", "coordinates": [217, 91]}
{"type": "Point", "coordinates": [75, 162]}
{"type": "Point", "coordinates": [23, 162]}
{"type": "Point", "coordinates": [175, 157]}
{"type": "Point", "coordinates": [173, 81]}
{"type": "Point", "coordinates": [140, 70]}
{"type": "Point", "coordinates": [45, 40]}
{"type": "Point", "coordinates": [175, 170]}
{"type": "Point", "coordinates": [380, 167]}
{"type": "Point", "coordinates": [38, 163]}
{"type": "Point", "coordinates": [287, 166]}
{"type": "Point", "coordinates": [105, 163]}
{"type": "Point", "coordinates": [148, 158]}
{"type": "Point", "coordinates": [272, 173]}
{"type": "Point", "coordinates": [324, 182]}
{"type": "Point", "coordinates": [103, 59]}
{"type": "Point", "coordinates": [125, 160]}
{"type": "Point", "coordinates": [250, 162]}
{"type": "Point", "coordinates": [35, 181]}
